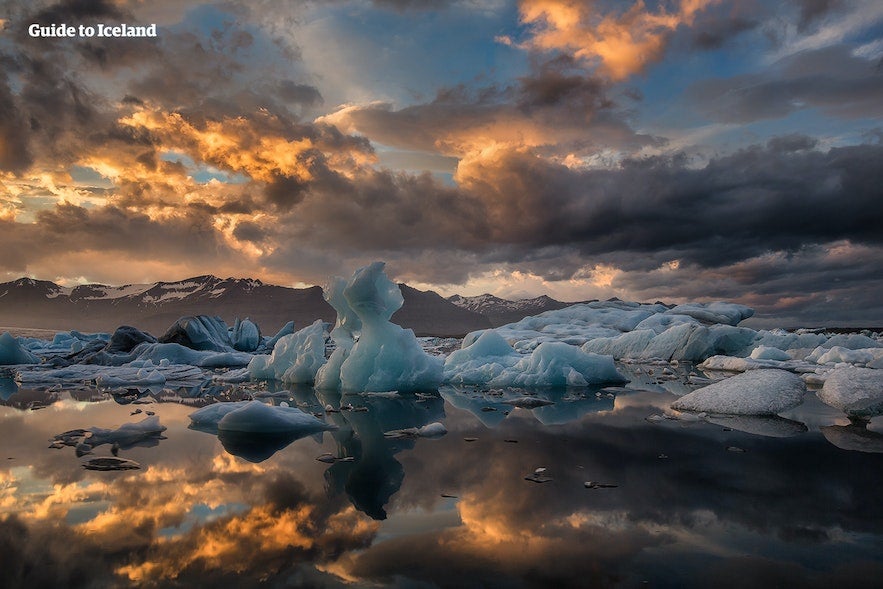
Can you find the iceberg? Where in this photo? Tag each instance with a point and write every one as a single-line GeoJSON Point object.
{"type": "Point", "coordinates": [717, 312]}
{"type": "Point", "coordinates": [769, 353]}
{"type": "Point", "coordinates": [837, 354]}
{"type": "Point", "coordinates": [296, 358]}
{"type": "Point", "coordinates": [492, 361]}
{"type": "Point", "coordinates": [199, 333]}
{"type": "Point", "coordinates": [11, 351]}
{"type": "Point", "coordinates": [757, 392]}
{"type": "Point", "coordinates": [207, 418]}
{"type": "Point", "coordinates": [858, 392]}
{"type": "Point", "coordinates": [385, 357]}
{"type": "Point", "coordinates": [245, 335]}
{"type": "Point", "coordinates": [256, 417]}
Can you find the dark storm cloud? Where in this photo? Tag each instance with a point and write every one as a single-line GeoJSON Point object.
{"type": "Point", "coordinates": [68, 11]}
{"type": "Point", "coordinates": [830, 79]}
{"type": "Point", "coordinates": [764, 198]}
{"type": "Point", "coordinates": [47, 555]}
{"type": "Point", "coordinates": [556, 107]}
{"type": "Point", "coordinates": [811, 11]}
{"type": "Point", "coordinates": [68, 228]}
{"type": "Point", "coordinates": [14, 149]}
{"type": "Point", "coordinates": [298, 93]}
{"type": "Point", "coordinates": [715, 33]}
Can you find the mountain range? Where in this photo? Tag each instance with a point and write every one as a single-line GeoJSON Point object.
{"type": "Point", "coordinates": [154, 307]}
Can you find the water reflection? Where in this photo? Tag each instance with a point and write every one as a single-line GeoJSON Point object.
{"type": "Point", "coordinates": [686, 512]}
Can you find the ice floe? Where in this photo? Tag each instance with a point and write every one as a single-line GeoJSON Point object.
{"type": "Point", "coordinates": [257, 417]}
{"type": "Point", "coordinates": [757, 392]}
{"type": "Point", "coordinates": [858, 392]}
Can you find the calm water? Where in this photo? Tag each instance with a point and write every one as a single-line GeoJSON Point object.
{"type": "Point", "coordinates": [695, 504]}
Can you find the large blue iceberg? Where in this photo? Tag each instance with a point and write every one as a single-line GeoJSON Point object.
{"type": "Point", "coordinates": [374, 354]}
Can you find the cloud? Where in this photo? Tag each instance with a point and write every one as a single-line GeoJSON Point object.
{"type": "Point", "coordinates": [555, 109]}
{"type": "Point", "coordinates": [832, 80]}
{"type": "Point", "coordinates": [618, 43]}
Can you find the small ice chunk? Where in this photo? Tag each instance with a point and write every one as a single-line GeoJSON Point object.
{"type": "Point", "coordinates": [528, 402]}
{"type": "Point", "coordinates": [757, 392]}
{"type": "Point", "coordinates": [432, 430]}
{"type": "Point", "coordinates": [855, 391]}
{"type": "Point", "coordinates": [769, 353]}
{"type": "Point", "coordinates": [128, 434]}
{"type": "Point", "coordinates": [110, 463]}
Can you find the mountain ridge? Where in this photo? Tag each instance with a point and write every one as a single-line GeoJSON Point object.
{"type": "Point", "coordinates": [153, 307]}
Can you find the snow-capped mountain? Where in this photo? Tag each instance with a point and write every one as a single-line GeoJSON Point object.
{"type": "Point", "coordinates": [154, 307]}
{"type": "Point", "coordinates": [501, 311]}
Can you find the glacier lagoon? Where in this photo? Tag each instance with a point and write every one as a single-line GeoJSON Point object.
{"type": "Point", "coordinates": [529, 458]}
{"type": "Point", "coordinates": [691, 502]}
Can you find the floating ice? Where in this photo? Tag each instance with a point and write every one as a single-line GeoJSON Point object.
{"type": "Point", "coordinates": [837, 354]}
{"type": "Point", "coordinates": [856, 391]}
{"type": "Point", "coordinates": [245, 336]}
{"type": "Point", "coordinates": [718, 312]}
{"type": "Point", "coordinates": [11, 352]}
{"type": "Point", "coordinates": [490, 360]}
{"type": "Point", "coordinates": [138, 373]}
{"type": "Point", "coordinates": [128, 434]}
{"type": "Point", "coordinates": [174, 353]}
{"type": "Point", "coordinates": [758, 392]}
{"type": "Point", "coordinates": [296, 358]}
{"type": "Point", "coordinates": [200, 333]}
{"type": "Point", "coordinates": [769, 353]}
{"type": "Point", "coordinates": [385, 357]}
{"type": "Point", "coordinates": [682, 340]}
{"type": "Point", "coordinates": [431, 430]}
{"type": "Point", "coordinates": [257, 418]}
{"type": "Point", "coordinates": [208, 417]}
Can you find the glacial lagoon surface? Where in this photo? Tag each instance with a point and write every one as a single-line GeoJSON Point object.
{"type": "Point", "coordinates": [600, 488]}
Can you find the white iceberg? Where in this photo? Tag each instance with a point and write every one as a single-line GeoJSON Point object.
{"type": "Point", "coordinates": [757, 392]}
{"type": "Point", "coordinates": [490, 360]}
{"type": "Point", "coordinates": [296, 358]}
{"type": "Point", "coordinates": [717, 312]}
{"type": "Point", "coordinates": [858, 392]}
{"type": "Point", "coordinates": [837, 354]}
{"type": "Point", "coordinates": [769, 353]}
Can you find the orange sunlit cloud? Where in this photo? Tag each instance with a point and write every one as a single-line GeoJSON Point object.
{"type": "Point", "coordinates": [623, 43]}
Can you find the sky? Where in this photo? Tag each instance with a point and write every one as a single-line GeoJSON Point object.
{"type": "Point", "coordinates": [659, 150]}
